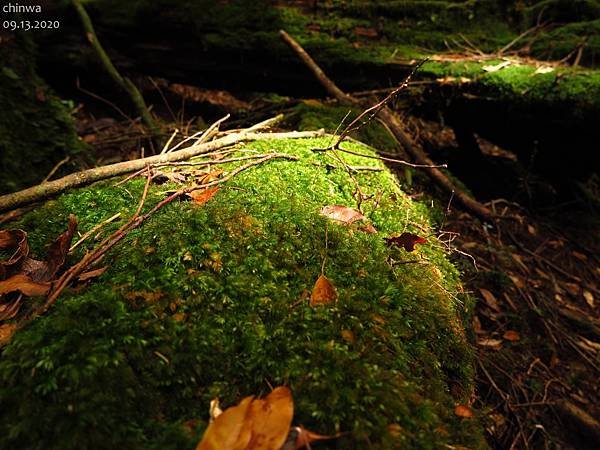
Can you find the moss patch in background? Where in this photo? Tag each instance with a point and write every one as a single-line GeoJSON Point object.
{"type": "Point", "coordinates": [207, 301]}
{"type": "Point", "coordinates": [36, 129]}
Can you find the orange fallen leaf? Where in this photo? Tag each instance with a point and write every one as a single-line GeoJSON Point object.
{"type": "Point", "coordinates": [201, 196]}
{"type": "Point", "coordinates": [254, 424]}
{"type": "Point", "coordinates": [323, 292]}
{"type": "Point", "coordinates": [511, 335]}
{"type": "Point", "coordinates": [271, 419]}
{"type": "Point", "coordinates": [463, 411]}
{"type": "Point", "coordinates": [229, 431]}
{"type": "Point", "coordinates": [23, 284]}
{"type": "Point", "coordinates": [6, 332]}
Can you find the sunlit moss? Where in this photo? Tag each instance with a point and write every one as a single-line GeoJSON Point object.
{"type": "Point", "coordinates": [206, 301]}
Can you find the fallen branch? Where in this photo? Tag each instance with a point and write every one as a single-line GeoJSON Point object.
{"type": "Point", "coordinates": [397, 129]}
{"type": "Point", "coordinates": [51, 188]}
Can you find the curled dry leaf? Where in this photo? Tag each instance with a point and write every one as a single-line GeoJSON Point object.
{"type": "Point", "coordinates": [342, 214]}
{"type": "Point", "coordinates": [10, 308]}
{"type": "Point", "coordinates": [463, 411]}
{"type": "Point", "coordinates": [254, 424]}
{"type": "Point", "coordinates": [496, 344]}
{"type": "Point", "coordinates": [22, 283]}
{"type": "Point", "coordinates": [406, 241]}
{"type": "Point", "coordinates": [323, 292]}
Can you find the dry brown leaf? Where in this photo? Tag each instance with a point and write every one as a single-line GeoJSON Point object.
{"type": "Point", "coordinates": [463, 411]}
{"type": "Point", "coordinates": [92, 273]}
{"type": "Point", "coordinates": [511, 335]}
{"type": "Point", "coordinates": [271, 419]}
{"type": "Point", "coordinates": [490, 299]}
{"type": "Point", "coordinates": [323, 292]}
{"type": "Point", "coordinates": [10, 308]}
{"type": "Point", "coordinates": [370, 33]}
{"type": "Point", "coordinates": [342, 214]}
{"type": "Point", "coordinates": [230, 431]}
{"type": "Point", "coordinates": [531, 229]}
{"type": "Point", "coordinates": [589, 298]}
{"type": "Point", "coordinates": [497, 67]}
{"type": "Point", "coordinates": [6, 332]}
{"type": "Point", "coordinates": [496, 344]}
{"type": "Point", "coordinates": [517, 281]}
{"type": "Point", "coordinates": [222, 99]}
{"type": "Point", "coordinates": [22, 283]}
{"type": "Point", "coordinates": [201, 196]}
{"type": "Point", "coordinates": [348, 336]}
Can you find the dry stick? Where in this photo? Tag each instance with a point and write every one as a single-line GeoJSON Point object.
{"type": "Point", "coordinates": [123, 82]}
{"type": "Point", "coordinates": [45, 190]}
{"type": "Point", "coordinates": [93, 230]}
{"type": "Point", "coordinates": [398, 132]}
{"type": "Point", "coordinates": [56, 167]}
{"type": "Point", "coordinates": [135, 221]}
{"type": "Point", "coordinates": [204, 133]}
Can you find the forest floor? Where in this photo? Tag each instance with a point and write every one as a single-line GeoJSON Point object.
{"type": "Point", "coordinates": [536, 325]}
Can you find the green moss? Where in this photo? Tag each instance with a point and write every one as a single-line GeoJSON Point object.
{"type": "Point", "coordinates": [204, 301]}
{"type": "Point", "coordinates": [36, 129]}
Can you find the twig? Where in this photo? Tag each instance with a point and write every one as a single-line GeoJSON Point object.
{"type": "Point", "coordinates": [382, 158]}
{"type": "Point", "coordinates": [56, 167]}
{"type": "Point", "coordinates": [50, 188]}
{"type": "Point", "coordinates": [166, 147]}
{"type": "Point", "coordinates": [93, 230]}
{"type": "Point", "coordinates": [397, 129]}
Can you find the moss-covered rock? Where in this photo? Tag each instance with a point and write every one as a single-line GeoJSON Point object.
{"type": "Point", "coordinates": [210, 300]}
{"type": "Point", "coordinates": [36, 129]}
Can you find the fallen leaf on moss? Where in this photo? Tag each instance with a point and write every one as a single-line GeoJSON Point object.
{"type": "Point", "coordinates": [348, 336]}
{"type": "Point", "coordinates": [511, 335]}
{"type": "Point", "coordinates": [92, 273]}
{"type": "Point", "coordinates": [201, 196]}
{"type": "Point", "coordinates": [22, 283]}
{"type": "Point", "coordinates": [6, 332]}
{"type": "Point", "coordinates": [254, 424]}
{"type": "Point", "coordinates": [463, 411]}
{"type": "Point", "coordinates": [406, 240]}
{"type": "Point", "coordinates": [323, 292]}
{"type": "Point", "coordinates": [342, 214]}
{"type": "Point", "coordinates": [209, 177]}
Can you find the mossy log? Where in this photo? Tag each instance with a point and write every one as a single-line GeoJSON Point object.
{"type": "Point", "coordinates": [210, 300]}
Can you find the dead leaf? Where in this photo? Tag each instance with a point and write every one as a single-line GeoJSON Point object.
{"type": "Point", "coordinates": [271, 419]}
{"type": "Point", "coordinates": [9, 309]}
{"type": "Point", "coordinates": [463, 411]}
{"type": "Point", "coordinates": [531, 229]}
{"type": "Point", "coordinates": [254, 424]}
{"type": "Point", "coordinates": [323, 292]}
{"type": "Point", "coordinates": [496, 344]}
{"type": "Point", "coordinates": [229, 431]}
{"type": "Point", "coordinates": [490, 300]}
{"type": "Point", "coordinates": [589, 298]}
{"type": "Point", "coordinates": [92, 273]}
{"type": "Point", "coordinates": [15, 241]}
{"type": "Point", "coordinates": [342, 214]}
{"type": "Point", "coordinates": [22, 283]}
{"type": "Point", "coordinates": [543, 69]}
{"type": "Point", "coordinates": [511, 335]}
{"type": "Point", "coordinates": [368, 228]}
{"type": "Point", "coordinates": [201, 196]}
{"type": "Point", "coordinates": [348, 336]}
{"type": "Point", "coordinates": [497, 67]}
{"type": "Point", "coordinates": [370, 33]}
{"type": "Point", "coordinates": [406, 240]}
{"type": "Point", "coordinates": [215, 410]}
{"type": "Point", "coordinates": [209, 177]}
{"type": "Point", "coordinates": [6, 332]}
